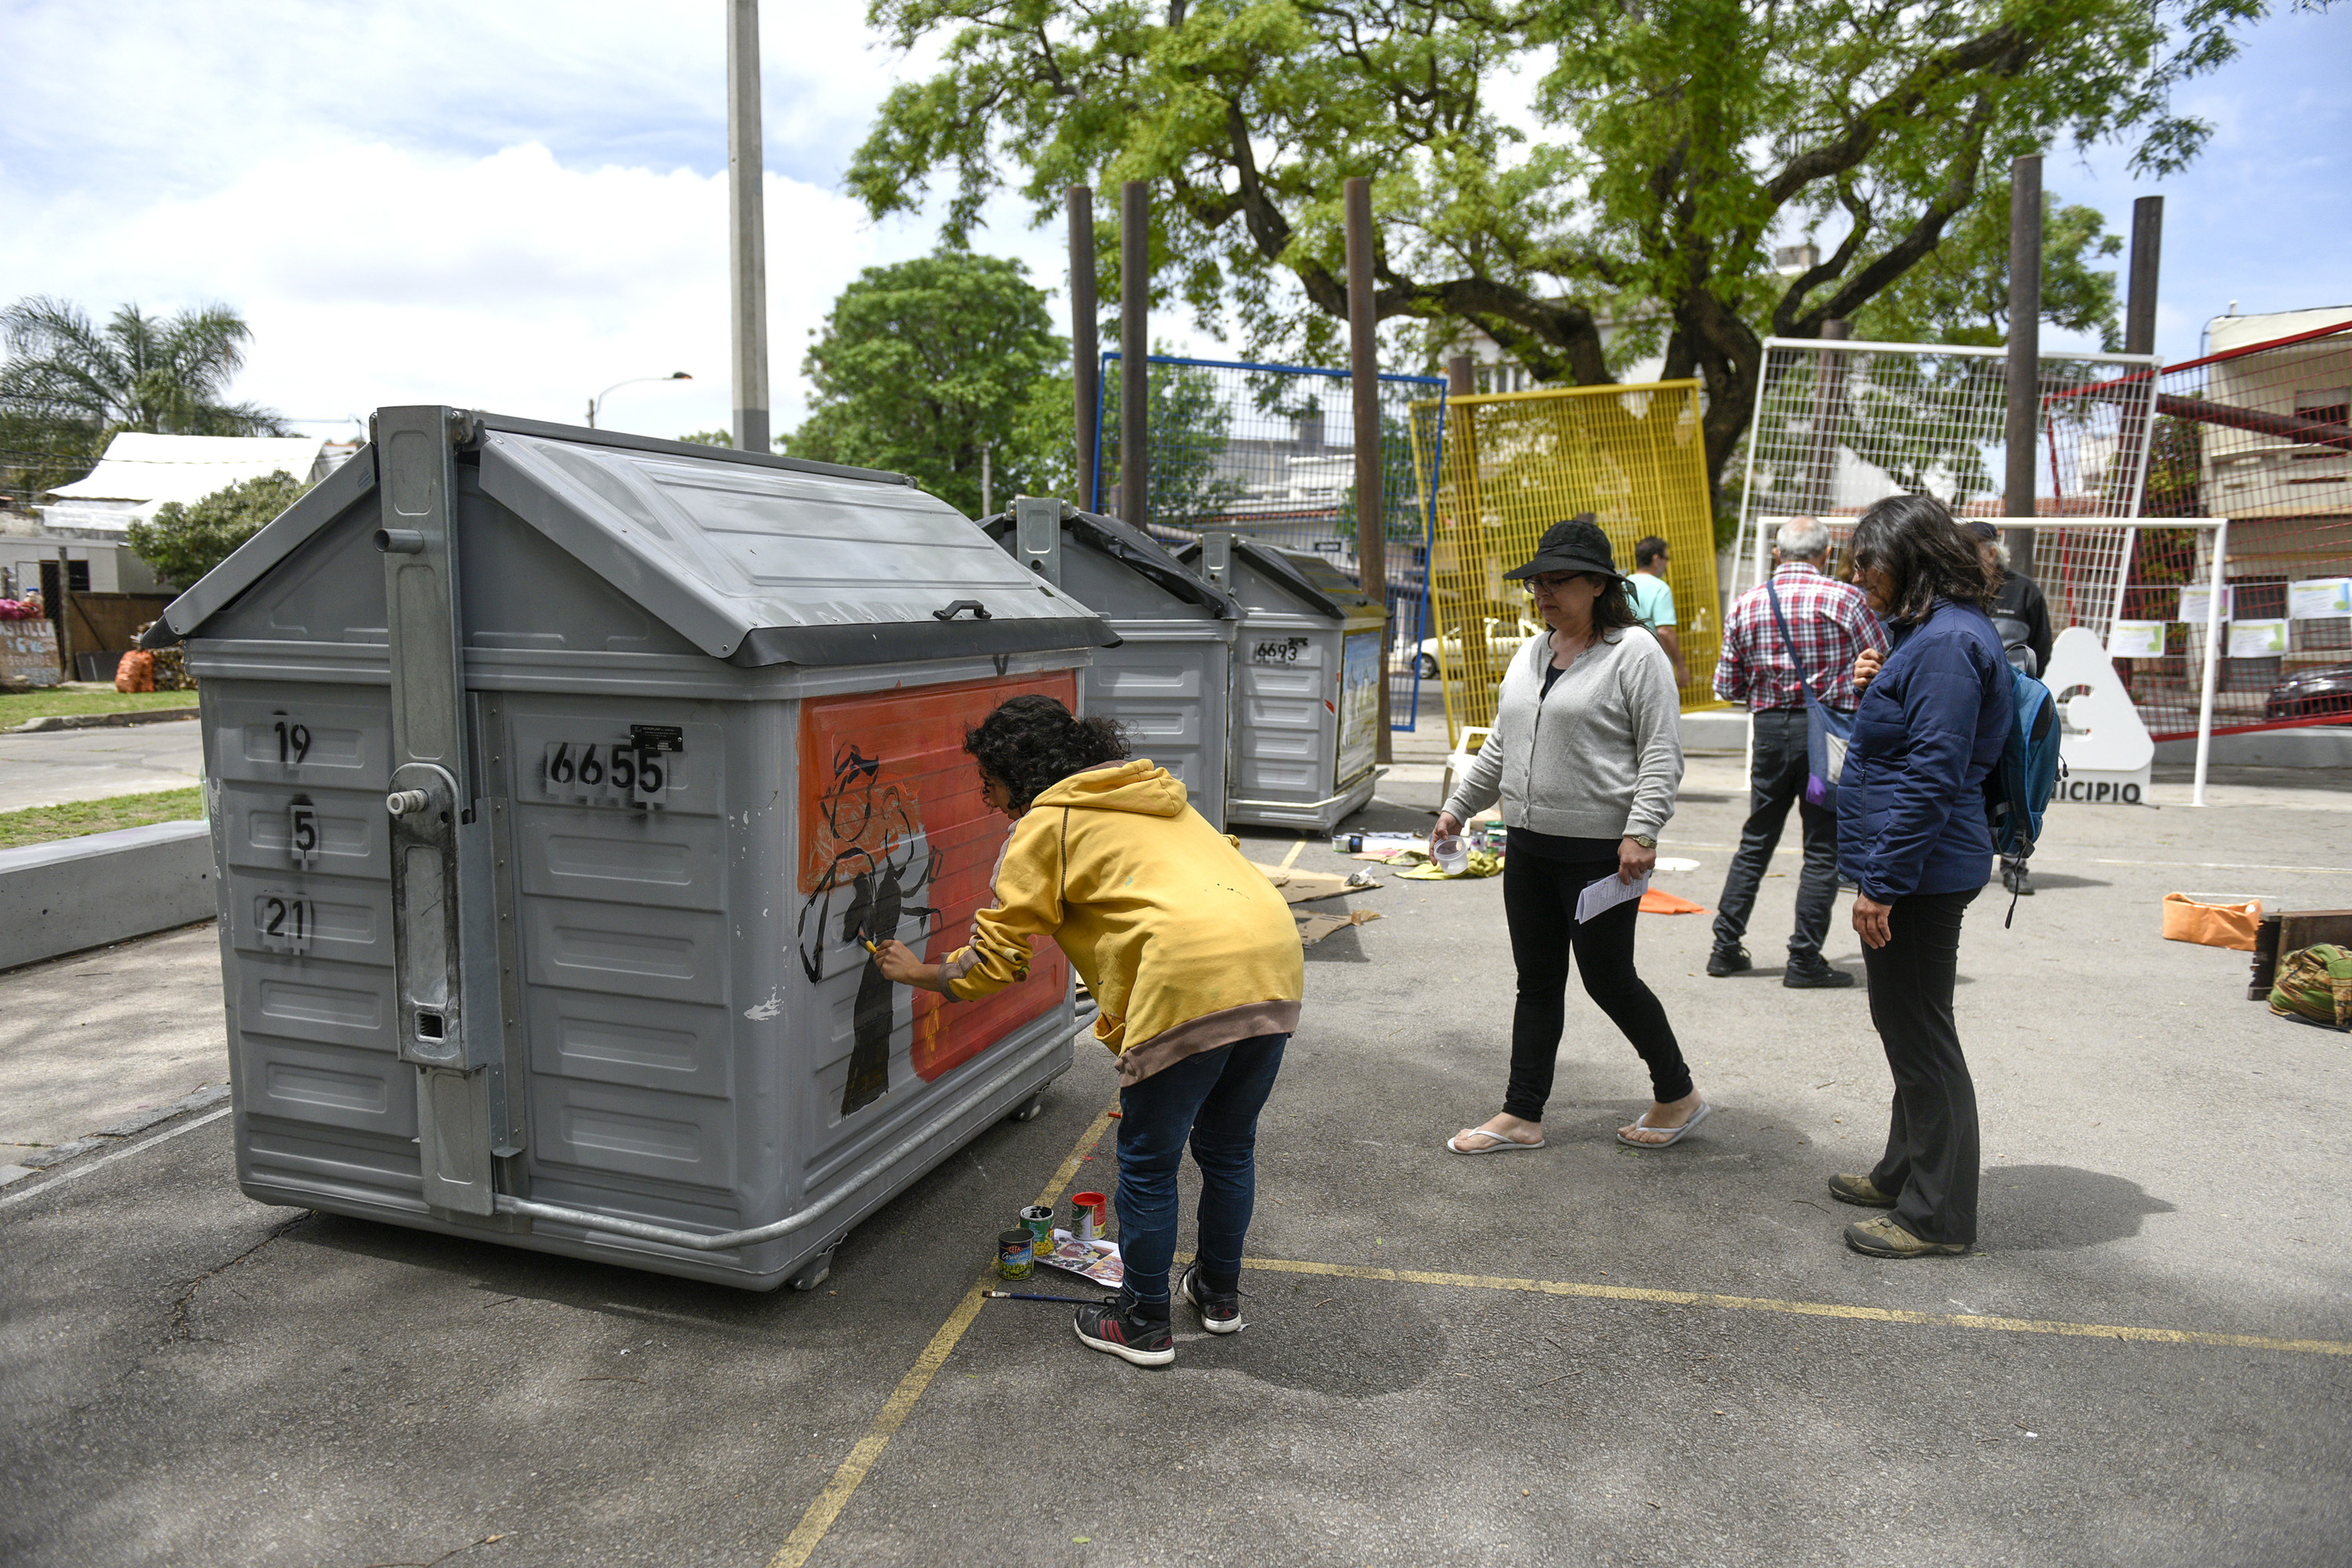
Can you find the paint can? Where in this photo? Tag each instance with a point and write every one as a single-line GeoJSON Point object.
{"type": "Point", "coordinates": [1015, 1256]}
{"type": "Point", "coordinates": [1037, 1219]}
{"type": "Point", "coordinates": [1340, 844]}
{"type": "Point", "coordinates": [1089, 1215]}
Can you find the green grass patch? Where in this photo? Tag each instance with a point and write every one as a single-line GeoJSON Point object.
{"type": "Point", "coordinates": [45, 824]}
{"type": "Point", "coordinates": [16, 707]}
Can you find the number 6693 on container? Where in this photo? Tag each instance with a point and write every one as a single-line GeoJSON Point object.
{"type": "Point", "coordinates": [609, 773]}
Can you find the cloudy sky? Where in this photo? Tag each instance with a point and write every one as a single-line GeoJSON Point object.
{"type": "Point", "coordinates": [511, 206]}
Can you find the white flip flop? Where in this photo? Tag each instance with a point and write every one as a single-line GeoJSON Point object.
{"type": "Point", "coordinates": [1497, 1144]}
{"type": "Point", "coordinates": [1641, 1124]}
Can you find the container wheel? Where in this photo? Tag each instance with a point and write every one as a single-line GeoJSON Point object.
{"type": "Point", "coordinates": [1031, 1111]}
{"type": "Point", "coordinates": [814, 1272]}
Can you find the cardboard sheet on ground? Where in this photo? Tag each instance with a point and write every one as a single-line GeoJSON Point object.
{"type": "Point", "coordinates": [1313, 929]}
{"type": "Point", "coordinates": [1097, 1261]}
{"type": "Point", "coordinates": [1305, 886]}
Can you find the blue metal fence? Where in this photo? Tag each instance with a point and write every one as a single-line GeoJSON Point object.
{"type": "Point", "coordinates": [1269, 451]}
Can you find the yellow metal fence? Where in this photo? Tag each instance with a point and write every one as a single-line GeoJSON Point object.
{"type": "Point", "coordinates": [1516, 463]}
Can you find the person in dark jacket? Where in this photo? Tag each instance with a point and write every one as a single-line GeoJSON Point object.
{"type": "Point", "coordinates": [1913, 837]}
{"type": "Point", "coordinates": [2021, 616]}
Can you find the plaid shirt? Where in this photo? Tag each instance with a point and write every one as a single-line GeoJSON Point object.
{"type": "Point", "coordinates": [1829, 621]}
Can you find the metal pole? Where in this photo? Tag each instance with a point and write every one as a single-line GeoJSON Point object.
{"type": "Point", "coordinates": [1085, 362]}
{"type": "Point", "coordinates": [1134, 352]}
{"type": "Point", "coordinates": [987, 485]}
{"type": "Point", "coordinates": [2024, 350]}
{"type": "Point", "coordinates": [2146, 253]}
{"type": "Point", "coordinates": [1364, 379]}
{"type": "Point", "coordinates": [2212, 656]}
{"type": "Point", "coordinates": [747, 242]}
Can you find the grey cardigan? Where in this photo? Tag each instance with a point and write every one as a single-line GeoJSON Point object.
{"type": "Point", "coordinates": [1601, 757]}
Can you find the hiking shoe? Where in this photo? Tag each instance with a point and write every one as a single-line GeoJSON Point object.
{"type": "Point", "coordinates": [1221, 1311]}
{"type": "Point", "coordinates": [1815, 976]}
{"type": "Point", "coordinates": [2015, 880]}
{"type": "Point", "coordinates": [1117, 1327]}
{"type": "Point", "coordinates": [1729, 960]}
{"type": "Point", "coordinates": [1882, 1237]}
{"type": "Point", "coordinates": [1857, 1190]}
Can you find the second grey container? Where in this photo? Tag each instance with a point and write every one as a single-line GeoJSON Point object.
{"type": "Point", "coordinates": [1306, 669]}
{"type": "Point", "coordinates": [1166, 682]}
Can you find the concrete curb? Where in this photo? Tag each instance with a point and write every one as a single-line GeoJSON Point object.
{"type": "Point", "coordinates": [100, 721]}
{"type": "Point", "coordinates": [129, 1127]}
{"type": "Point", "coordinates": [102, 887]}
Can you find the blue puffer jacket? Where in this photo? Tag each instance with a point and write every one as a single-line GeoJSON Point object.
{"type": "Point", "coordinates": [1911, 813]}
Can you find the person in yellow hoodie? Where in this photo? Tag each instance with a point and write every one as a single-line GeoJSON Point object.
{"type": "Point", "coordinates": [1194, 960]}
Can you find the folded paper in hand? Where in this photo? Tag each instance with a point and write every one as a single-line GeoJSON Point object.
{"type": "Point", "coordinates": [1606, 894]}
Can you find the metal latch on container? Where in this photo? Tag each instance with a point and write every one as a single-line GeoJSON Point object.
{"type": "Point", "coordinates": [979, 611]}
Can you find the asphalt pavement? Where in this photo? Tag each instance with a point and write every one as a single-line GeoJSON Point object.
{"type": "Point", "coordinates": [1577, 1353]}
{"type": "Point", "coordinates": [51, 767]}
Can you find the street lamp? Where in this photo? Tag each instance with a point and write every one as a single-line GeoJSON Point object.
{"type": "Point", "coordinates": [598, 401]}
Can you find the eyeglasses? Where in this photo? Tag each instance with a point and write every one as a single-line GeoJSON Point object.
{"type": "Point", "coordinates": [1553, 583]}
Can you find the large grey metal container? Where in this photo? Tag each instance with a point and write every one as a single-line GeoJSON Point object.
{"type": "Point", "coordinates": [1306, 686]}
{"type": "Point", "coordinates": [554, 778]}
{"type": "Point", "coordinates": [1166, 682]}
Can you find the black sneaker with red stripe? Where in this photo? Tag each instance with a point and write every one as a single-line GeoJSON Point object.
{"type": "Point", "coordinates": [1119, 1328]}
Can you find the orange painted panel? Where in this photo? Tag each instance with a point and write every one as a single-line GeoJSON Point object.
{"type": "Point", "coordinates": [897, 840]}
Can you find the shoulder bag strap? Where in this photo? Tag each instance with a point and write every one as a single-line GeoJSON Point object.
{"type": "Point", "coordinates": [1789, 646]}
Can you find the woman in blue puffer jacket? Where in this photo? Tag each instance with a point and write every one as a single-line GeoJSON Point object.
{"type": "Point", "coordinates": [1914, 839]}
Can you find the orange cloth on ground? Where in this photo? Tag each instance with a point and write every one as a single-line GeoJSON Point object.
{"type": "Point", "coordinates": [1654, 902]}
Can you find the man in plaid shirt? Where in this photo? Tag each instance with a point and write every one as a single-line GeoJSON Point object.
{"type": "Point", "coordinates": [1829, 623]}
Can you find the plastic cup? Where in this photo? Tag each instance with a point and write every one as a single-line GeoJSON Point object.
{"type": "Point", "coordinates": [1452, 856]}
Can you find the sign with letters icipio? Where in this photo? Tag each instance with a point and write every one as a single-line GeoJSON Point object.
{"type": "Point", "coordinates": [2103, 742]}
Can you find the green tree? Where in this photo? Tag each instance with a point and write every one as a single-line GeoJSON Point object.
{"type": "Point", "coordinates": [1187, 427]}
{"type": "Point", "coordinates": [920, 364]}
{"type": "Point", "coordinates": [186, 540]}
{"type": "Point", "coordinates": [1676, 142]}
{"type": "Point", "coordinates": [1958, 292]}
{"type": "Point", "coordinates": [711, 438]}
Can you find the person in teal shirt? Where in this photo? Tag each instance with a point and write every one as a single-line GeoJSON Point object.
{"type": "Point", "coordinates": [1654, 601]}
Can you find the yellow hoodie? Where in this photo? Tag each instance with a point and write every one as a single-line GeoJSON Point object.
{"type": "Point", "coordinates": [1185, 945]}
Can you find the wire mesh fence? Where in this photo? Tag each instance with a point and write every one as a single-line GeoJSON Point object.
{"type": "Point", "coordinates": [1269, 451]}
{"type": "Point", "coordinates": [1504, 467]}
{"type": "Point", "coordinates": [2259, 432]}
{"type": "Point", "coordinates": [1839, 426]}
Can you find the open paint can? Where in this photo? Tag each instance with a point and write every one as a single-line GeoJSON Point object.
{"type": "Point", "coordinates": [1089, 1215]}
{"type": "Point", "coordinates": [1015, 1254]}
{"type": "Point", "coordinates": [1037, 1219]}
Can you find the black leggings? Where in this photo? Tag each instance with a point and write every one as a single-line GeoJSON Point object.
{"type": "Point", "coordinates": [1540, 901]}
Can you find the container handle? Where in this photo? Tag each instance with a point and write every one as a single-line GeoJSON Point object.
{"type": "Point", "coordinates": [979, 611]}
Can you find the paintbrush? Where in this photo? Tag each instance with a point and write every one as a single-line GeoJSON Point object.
{"type": "Point", "coordinates": [1027, 1296]}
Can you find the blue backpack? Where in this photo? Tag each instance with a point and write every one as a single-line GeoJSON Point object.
{"type": "Point", "coordinates": [2018, 790]}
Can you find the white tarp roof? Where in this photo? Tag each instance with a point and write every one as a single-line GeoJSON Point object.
{"type": "Point", "coordinates": [152, 470]}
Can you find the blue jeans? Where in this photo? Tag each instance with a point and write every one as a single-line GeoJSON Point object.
{"type": "Point", "coordinates": [1213, 1098]}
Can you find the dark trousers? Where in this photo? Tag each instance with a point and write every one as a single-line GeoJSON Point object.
{"type": "Point", "coordinates": [1539, 901]}
{"type": "Point", "coordinates": [1212, 1100]}
{"type": "Point", "coordinates": [1932, 1155]}
{"type": "Point", "coordinates": [1776, 781]}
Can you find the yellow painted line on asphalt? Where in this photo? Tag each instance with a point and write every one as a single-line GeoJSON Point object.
{"type": "Point", "coordinates": [1805, 1309]}
{"type": "Point", "coordinates": [805, 1537]}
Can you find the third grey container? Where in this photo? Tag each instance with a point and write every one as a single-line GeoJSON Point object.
{"type": "Point", "coordinates": [1166, 682]}
{"type": "Point", "coordinates": [1306, 669]}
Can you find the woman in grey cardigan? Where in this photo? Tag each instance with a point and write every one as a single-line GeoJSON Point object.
{"type": "Point", "coordinates": [1586, 754]}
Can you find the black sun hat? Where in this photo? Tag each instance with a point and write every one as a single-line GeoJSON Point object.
{"type": "Point", "coordinates": [1576, 544]}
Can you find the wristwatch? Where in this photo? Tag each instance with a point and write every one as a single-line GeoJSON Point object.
{"type": "Point", "coordinates": [1644, 839]}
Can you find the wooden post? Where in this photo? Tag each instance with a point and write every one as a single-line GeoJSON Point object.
{"type": "Point", "coordinates": [1134, 352]}
{"type": "Point", "coordinates": [1085, 358]}
{"type": "Point", "coordinates": [1364, 376]}
{"type": "Point", "coordinates": [2024, 352]}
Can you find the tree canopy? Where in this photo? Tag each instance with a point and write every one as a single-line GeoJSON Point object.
{"type": "Point", "coordinates": [1672, 143]}
{"type": "Point", "coordinates": [920, 363]}
{"type": "Point", "coordinates": [189, 538]}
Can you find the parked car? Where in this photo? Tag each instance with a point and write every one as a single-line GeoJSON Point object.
{"type": "Point", "coordinates": [1442, 655]}
{"type": "Point", "coordinates": [2318, 693]}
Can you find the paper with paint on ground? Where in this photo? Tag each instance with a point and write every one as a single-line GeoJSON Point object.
{"type": "Point", "coordinates": [1098, 1261]}
{"type": "Point", "coordinates": [1601, 896]}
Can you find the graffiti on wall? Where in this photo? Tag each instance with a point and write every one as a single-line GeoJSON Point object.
{"type": "Point", "coordinates": [899, 843]}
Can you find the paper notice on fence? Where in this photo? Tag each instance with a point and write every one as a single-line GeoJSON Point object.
{"type": "Point", "coordinates": [2137, 639]}
{"type": "Point", "coordinates": [1606, 894]}
{"type": "Point", "coordinates": [2257, 639]}
{"type": "Point", "coordinates": [2196, 603]}
{"type": "Point", "coordinates": [2319, 598]}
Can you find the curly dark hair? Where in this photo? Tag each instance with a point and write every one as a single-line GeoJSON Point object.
{"type": "Point", "coordinates": [1033, 742]}
{"type": "Point", "coordinates": [1926, 555]}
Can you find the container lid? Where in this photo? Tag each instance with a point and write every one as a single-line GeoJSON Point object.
{"type": "Point", "coordinates": [1303, 572]}
{"type": "Point", "coordinates": [753, 559]}
{"type": "Point", "coordinates": [1134, 548]}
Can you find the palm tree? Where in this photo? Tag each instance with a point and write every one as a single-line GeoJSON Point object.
{"type": "Point", "coordinates": [163, 374]}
